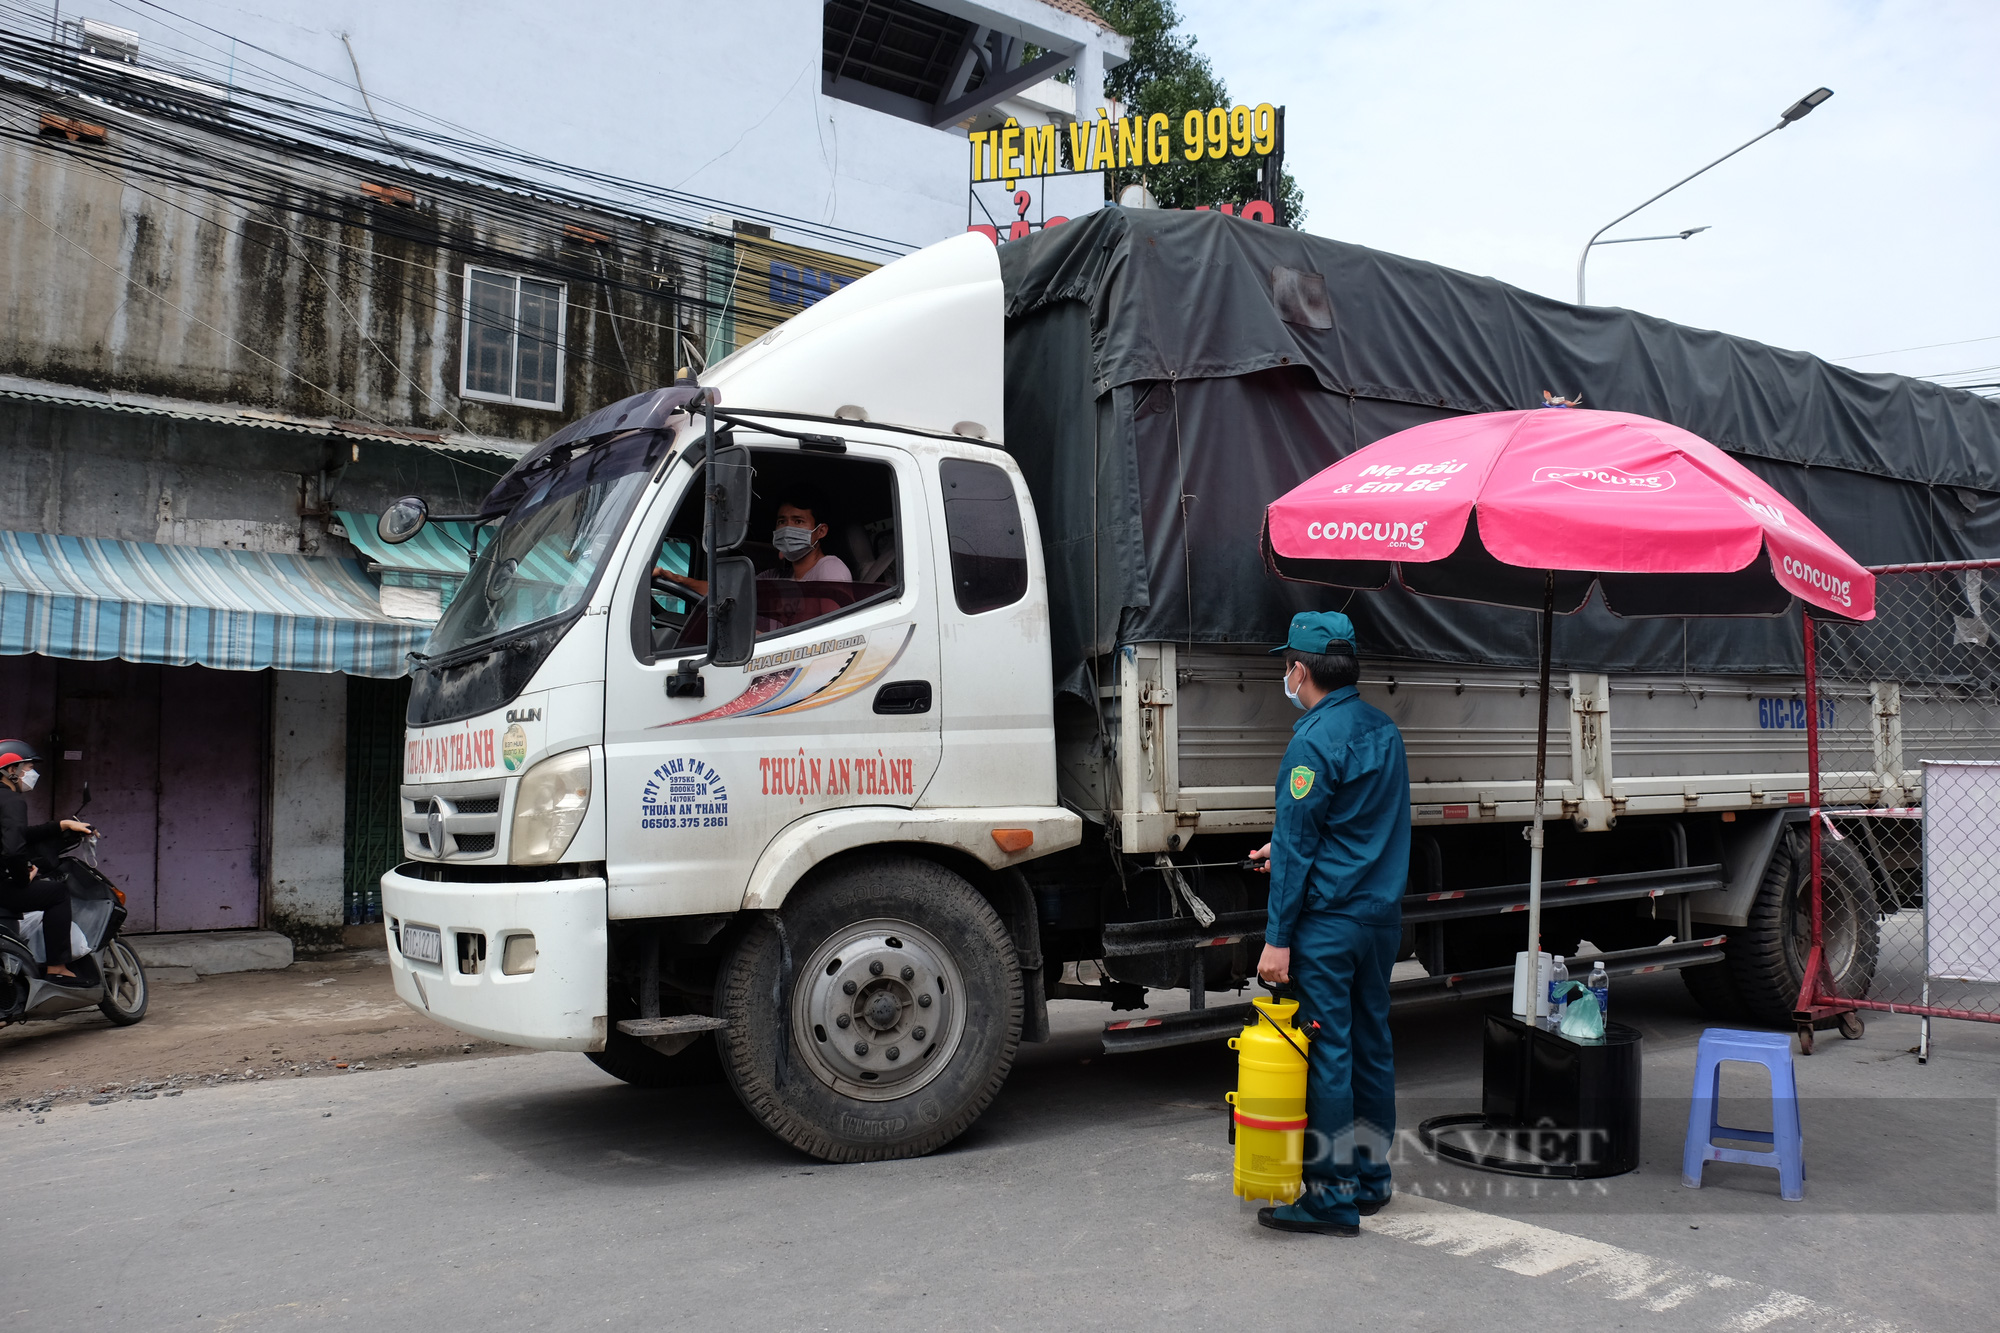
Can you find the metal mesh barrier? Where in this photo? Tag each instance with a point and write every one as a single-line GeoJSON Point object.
{"type": "Point", "coordinates": [1904, 735]}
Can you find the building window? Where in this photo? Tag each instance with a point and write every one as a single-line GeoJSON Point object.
{"type": "Point", "coordinates": [513, 339]}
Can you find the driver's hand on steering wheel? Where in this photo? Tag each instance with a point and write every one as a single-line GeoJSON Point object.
{"type": "Point", "coordinates": [696, 586]}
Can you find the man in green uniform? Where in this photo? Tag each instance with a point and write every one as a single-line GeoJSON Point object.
{"type": "Point", "coordinates": [1339, 859]}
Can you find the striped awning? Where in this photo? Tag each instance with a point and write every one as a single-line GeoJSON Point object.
{"type": "Point", "coordinates": [92, 598]}
{"type": "Point", "coordinates": [437, 557]}
{"type": "Point", "coordinates": [440, 555]}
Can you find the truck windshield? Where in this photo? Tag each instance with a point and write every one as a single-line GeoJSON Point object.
{"type": "Point", "coordinates": [546, 554]}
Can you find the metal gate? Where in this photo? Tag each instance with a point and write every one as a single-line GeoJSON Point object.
{"type": "Point", "coordinates": [1903, 737]}
{"type": "Point", "coordinates": [375, 710]}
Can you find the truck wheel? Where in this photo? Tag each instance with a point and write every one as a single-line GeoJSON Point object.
{"type": "Point", "coordinates": [634, 1062]}
{"type": "Point", "coordinates": [1714, 990]}
{"type": "Point", "coordinates": [895, 1023]}
{"type": "Point", "coordinates": [1767, 958]}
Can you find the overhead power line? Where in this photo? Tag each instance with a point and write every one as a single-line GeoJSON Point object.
{"type": "Point", "coordinates": [306, 162]}
{"type": "Point", "coordinates": [441, 148]}
{"type": "Point", "coordinates": [1924, 347]}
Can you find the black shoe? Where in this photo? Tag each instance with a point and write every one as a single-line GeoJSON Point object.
{"type": "Point", "coordinates": [1370, 1207]}
{"type": "Point", "coordinates": [1268, 1217]}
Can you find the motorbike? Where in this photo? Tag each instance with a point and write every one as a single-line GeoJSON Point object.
{"type": "Point", "coordinates": [109, 974]}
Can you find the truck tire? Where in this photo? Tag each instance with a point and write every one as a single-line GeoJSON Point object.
{"type": "Point", "coordinates": [633, 1061]}
{"type": "Point", "coordinates": [1714, 990]}
{"type": "Point", "coordinates": [925, 974]}
{"type": "Point", "coordinates": [1766, 959]}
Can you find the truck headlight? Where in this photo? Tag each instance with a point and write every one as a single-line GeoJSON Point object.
{"type": "Point", "coordinates": [549, 807]}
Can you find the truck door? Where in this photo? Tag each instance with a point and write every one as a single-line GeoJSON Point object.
{"type": "Point", "coordinates": [835, 708]}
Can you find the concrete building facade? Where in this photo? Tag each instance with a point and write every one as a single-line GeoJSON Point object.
{"type": "Point", "coordinates": [234, 332]}
{"type": "Point", "coordinates": [845, 115]}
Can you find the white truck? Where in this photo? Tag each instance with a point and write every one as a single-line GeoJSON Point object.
{"type": "Point", "coordinates": [846, 839]}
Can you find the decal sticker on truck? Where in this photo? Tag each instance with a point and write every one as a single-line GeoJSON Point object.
{"type": "Point", "coordinates": [1790, 714]}
{"type": "Point", "coordinates": [834, 670]}
{"type": "Point", "coordinates": [684, 793]}
{"type": "Point", "coordinates": [804, 775]}
{"type": "Point", "coordinates": [452, 753]}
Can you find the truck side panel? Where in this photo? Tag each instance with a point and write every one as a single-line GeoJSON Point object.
{"type": "Point", "coordinates": [1191, 740]}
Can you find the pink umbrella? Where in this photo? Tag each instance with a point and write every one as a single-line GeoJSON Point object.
{"type": "Point", "coordinates": [1533, 509]}
{"type": "Point", "coordinates": [1666, 523]}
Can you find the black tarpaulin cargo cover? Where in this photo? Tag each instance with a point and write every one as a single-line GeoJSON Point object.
{"type": "Point", "coordinates": [1169, 374]}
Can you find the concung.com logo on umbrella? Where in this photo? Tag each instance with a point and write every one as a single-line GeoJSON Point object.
{"type": "Point", "coordinates": [1840, 589]}
{"type": "Point", "coordinates": [1606, 478]}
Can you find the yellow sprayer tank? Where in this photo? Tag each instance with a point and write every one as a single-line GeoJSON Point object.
{"type": "Point", "coordinates": [1270, 1102]}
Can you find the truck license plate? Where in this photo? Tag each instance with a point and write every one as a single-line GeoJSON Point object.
{"type": "Point", "coordinates": [423, 944]}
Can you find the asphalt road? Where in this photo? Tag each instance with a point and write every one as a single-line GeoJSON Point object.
{"type": "Point", "coordinates": [533, 1192]}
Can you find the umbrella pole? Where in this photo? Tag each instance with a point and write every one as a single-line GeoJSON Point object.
{"type": "Point", "coordinates": [1536, 985]}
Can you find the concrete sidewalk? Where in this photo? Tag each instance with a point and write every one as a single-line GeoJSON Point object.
{"type": "Point", "coordinates": [208, 953]}
{"type": "Point", "coordinates": [314, 1016]}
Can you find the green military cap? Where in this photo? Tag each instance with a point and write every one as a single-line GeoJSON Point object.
{"type": "Point", "coordinates": [1319, 632]}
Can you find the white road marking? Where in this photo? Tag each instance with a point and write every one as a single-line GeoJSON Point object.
{"type": "Point", "coordinates": [1724, 1303]}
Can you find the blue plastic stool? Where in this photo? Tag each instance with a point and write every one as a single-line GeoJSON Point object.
{"type": "Point", "coordinates": [1773, 1050]}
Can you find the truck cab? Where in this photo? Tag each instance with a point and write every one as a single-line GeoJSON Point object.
{"type": "Point", "coordinates": [639, 732]}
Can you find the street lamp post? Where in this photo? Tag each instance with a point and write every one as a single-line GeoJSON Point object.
{"type": "Point", "coordinates": [1670, 236]}
{"type": "Point", "coordinates": [1796, 111]}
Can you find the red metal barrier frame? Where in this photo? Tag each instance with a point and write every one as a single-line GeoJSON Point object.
{"type": "Point", "coordinates": [1816, 999]}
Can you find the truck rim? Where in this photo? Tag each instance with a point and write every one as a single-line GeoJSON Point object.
{"type": "Point", "coordinates": [1840, 931]}
{"type": "Point", "coordinates": [878, 1009]}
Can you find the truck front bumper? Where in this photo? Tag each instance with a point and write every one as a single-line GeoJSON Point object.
{"type": "Point", "coordinates": [559, 1006]}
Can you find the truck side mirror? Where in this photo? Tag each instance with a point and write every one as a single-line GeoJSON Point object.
{"type": "Point", "coordinates": [403, 520]}
{"type": "Point", "coordinates": [730, 483]}
{"type": "Point", "coordinates": [732, 610]}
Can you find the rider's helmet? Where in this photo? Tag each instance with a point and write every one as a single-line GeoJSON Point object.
{"type": "Point", "coordinates": [17, 752]}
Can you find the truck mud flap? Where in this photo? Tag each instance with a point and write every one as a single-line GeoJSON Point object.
{"type": "Point", "coordinates": [1198, 1025]}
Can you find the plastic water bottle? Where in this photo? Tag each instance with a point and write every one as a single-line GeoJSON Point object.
{"type": "Point", "coordinates": [1558, 1000]}
{"type": "Point", "coordinates": [1600, 986]}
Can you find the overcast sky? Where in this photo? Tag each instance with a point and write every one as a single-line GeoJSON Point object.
{"type": "Point", "coordinates": [1496, 138]}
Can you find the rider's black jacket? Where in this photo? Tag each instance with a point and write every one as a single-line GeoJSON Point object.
{"type": "Point", "coordinates": [22, 842]}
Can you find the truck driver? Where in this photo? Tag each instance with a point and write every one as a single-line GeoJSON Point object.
{"type": "Point", "coordinates": [797, 539]}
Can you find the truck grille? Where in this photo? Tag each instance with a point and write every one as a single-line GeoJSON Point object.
{"type": "Point", "coordinates": [461, 823]}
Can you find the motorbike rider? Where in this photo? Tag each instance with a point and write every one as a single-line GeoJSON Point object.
{"type": "Point", "coordinates": [29, 877]}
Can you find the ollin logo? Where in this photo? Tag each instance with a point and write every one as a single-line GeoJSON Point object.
{"type": "Point", "coordinates": [1607, 478]}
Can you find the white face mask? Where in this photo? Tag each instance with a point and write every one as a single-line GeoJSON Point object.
{"type": "Point", "coordinates": [30, 778]}
{"type": "Point", "coordinates": [1293, 694]}
{"type": "Point", "coordinates": [792, 542]}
